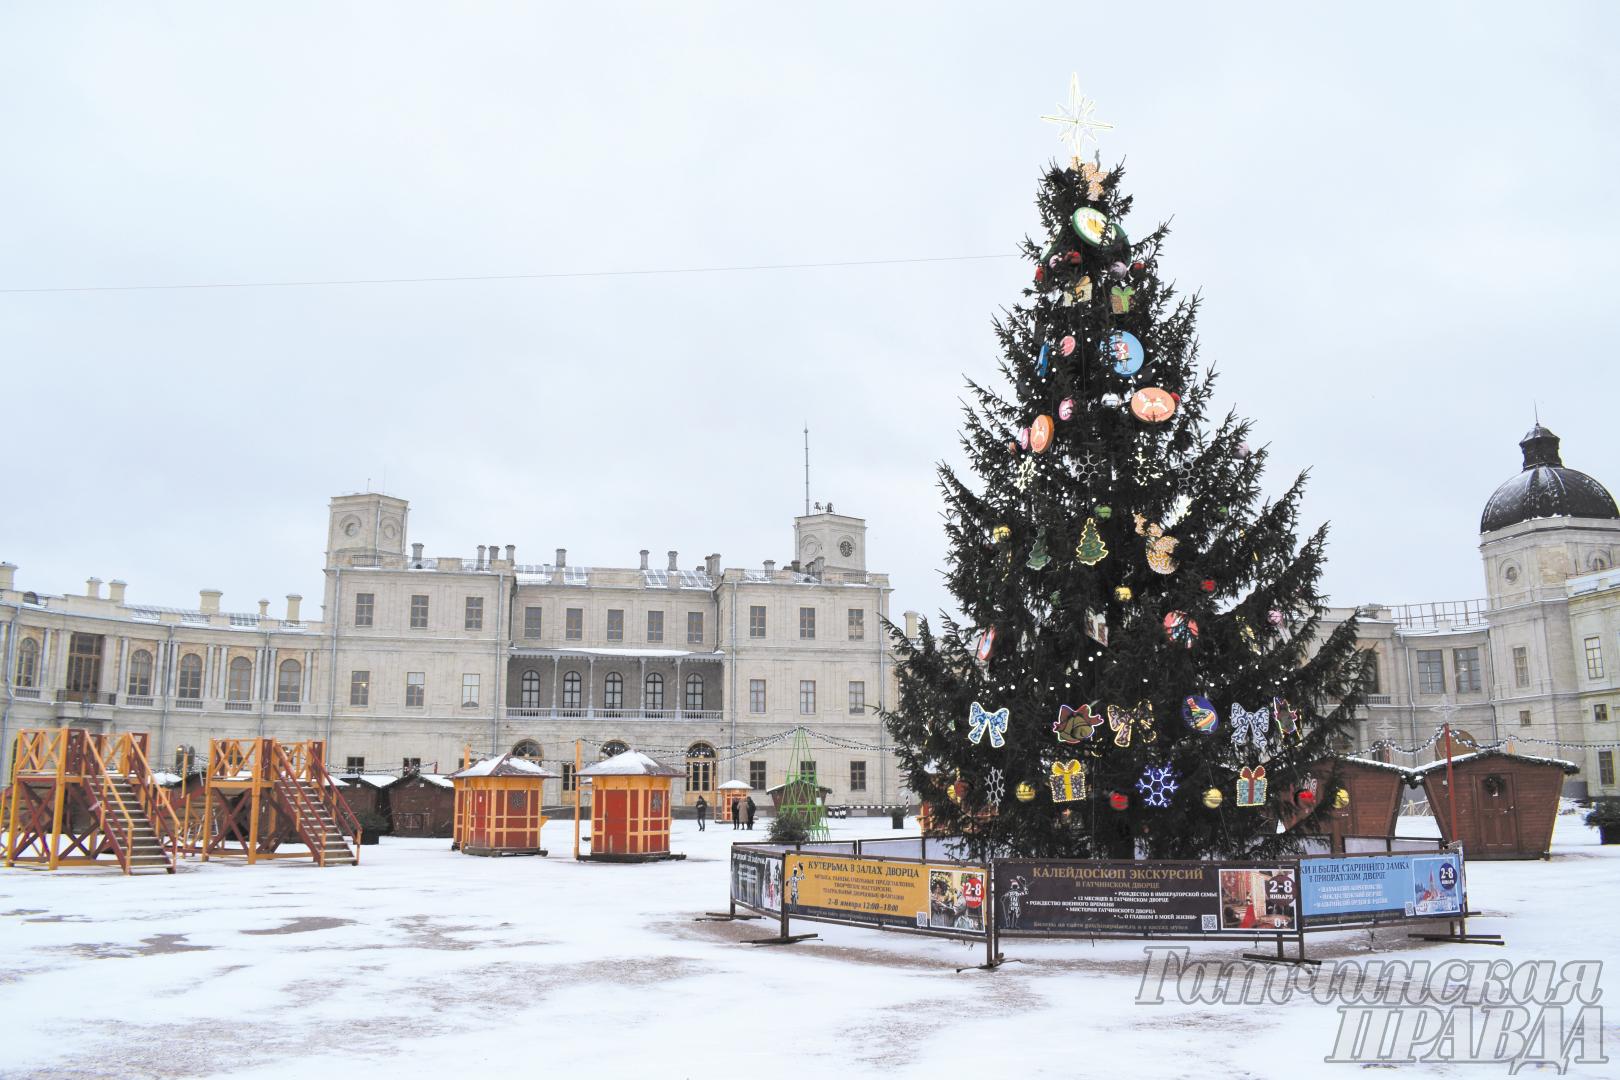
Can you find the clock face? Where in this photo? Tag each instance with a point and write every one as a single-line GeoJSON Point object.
{"type": "Point", "coordinates": [390, 530]}
{"type": "Point", "coordinates": [846, 549]}
{"type": "Point", "coordinates": [351, 527]}
{"type": "Point", "coordinates": [811, 548]}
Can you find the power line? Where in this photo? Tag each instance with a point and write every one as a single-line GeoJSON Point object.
{"type": "Point", "coordinates": [508, 277]}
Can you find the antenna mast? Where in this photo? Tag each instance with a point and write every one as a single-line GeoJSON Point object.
{"type": "Point", "coordinates": [807, 470]}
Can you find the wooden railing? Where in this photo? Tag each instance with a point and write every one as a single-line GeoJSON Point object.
{"type": "Point", "coordinates": [286, 780]}
{"type": "Point", "coordinates": [112, 813]}
{"type": "Point", "coordinates": [131, 756]}
{"type": "Point", "coordinates": [335, 802]}
{"type": "Point", "coordinates": [40, 751]}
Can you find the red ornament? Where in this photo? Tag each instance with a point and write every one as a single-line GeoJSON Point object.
{"type": "Point", "coordinates": [1305, 796]}
{"type": "Point", "coordinates": [1209, 584]}
{"type": "Point", "coordinates": [1118, 800]}
{"type": "Point", "coordinates": [1040, 274]}
{"type": "Point", "coordinates": [1074, 258]}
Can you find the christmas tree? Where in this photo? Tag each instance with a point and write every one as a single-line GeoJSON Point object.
{"type": "Point", "coordinates": [1147, 618]}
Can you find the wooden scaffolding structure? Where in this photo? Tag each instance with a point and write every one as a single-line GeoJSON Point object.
{"type": "Point", "coordinates": [264, 794]}
{"type": "Point", "coordinates": [77, 797]}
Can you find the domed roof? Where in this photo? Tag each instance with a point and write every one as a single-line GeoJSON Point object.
{"type": "Point", "coordinates": [1545, 488]}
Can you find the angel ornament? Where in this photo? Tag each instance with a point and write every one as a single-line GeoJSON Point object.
{"type": "Point", "coordinates": [1160, 547]}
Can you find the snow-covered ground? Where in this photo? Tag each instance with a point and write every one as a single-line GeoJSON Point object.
{"type": "Point", "coordinates": [423, 962]}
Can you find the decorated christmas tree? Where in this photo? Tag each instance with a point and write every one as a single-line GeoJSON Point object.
{"type": "Point", "coordinates": [1139, 668]}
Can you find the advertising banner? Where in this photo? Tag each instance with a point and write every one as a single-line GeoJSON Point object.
{"type": "Point", "coordinates": [756, 881]}
{"type": "Point", "coordinates": [911, 894]}
{"type": "Point", "coordinates": [1167, 898]}
{"type": "Point", "coordinates": [1373, 888]}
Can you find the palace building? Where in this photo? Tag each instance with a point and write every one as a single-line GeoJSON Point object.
{"type": "Point", "coordinates": [1536, 660]}
{"type": "Point", "coordinates": [417, 660]}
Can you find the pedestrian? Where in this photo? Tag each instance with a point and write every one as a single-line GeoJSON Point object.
{"type": "Point", "coordinates": [750, 812]}
{"type": "Point", "coordinates": [734, 808]}
{"type": "Point", "coordinates": [702, 813]}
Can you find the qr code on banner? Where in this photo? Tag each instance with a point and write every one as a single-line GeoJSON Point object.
{"type": "Point", "coordinates": [922, 918]}
{"type": "Point", "coordinates": [1411, 908]}
{"type": "Point", "coordinates": [1209, 922]}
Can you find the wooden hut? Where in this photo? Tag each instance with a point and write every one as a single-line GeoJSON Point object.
{"type": "Point", "coordinates": [424, 805]}
{"type": "Point", "coordinates": [630, 800]}
{"type": "Point", "coordinates": [1363, 799]}
{"type": "Point", "coordinates": [1505, 804]}
{"type": "Point", "coordinates": [366, 793]}
{"type": "Point", "coordinates": [498, 806]}
{"type": "Point", "coordinates": [729, 800]}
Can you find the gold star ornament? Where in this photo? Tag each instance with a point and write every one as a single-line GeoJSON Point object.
{"type": "Point", "coordinates": [1076, 120]}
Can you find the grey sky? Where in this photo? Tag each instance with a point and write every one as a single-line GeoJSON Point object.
{"type": "Point", "coordinates": [1400, 215]}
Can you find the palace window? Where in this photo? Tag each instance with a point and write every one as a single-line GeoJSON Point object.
{"type": "Point", "coordinates": [699, 769]}
{"type": "Point", "coordinates": [529, 690]}
{"type": "Point", "coordinates": [756, 695]}
{"type": "Point", "coordinates": [474, 619]}
{"type": "Point", "coordinates": [1521, 666]}
{"type": "Point", "coordinates": [694, 693]}
{"type": "Point", "coordinates": [1594, 657]}
{"type": "Point", "coordinates": [1467, 663]}
{"type": "Point", "coordinates": [615, 624]}
{"type": "Point", "coordinates": [694, 627]}
{"type": "Point", "coordinates": [469, 690]}
{"type": "Point", "coordinates": [84, 664]}
{"type": "Point", "coordinates": [239, 680]}
{"type": "Point", "coordinates": [289, 683]}
{"type": "Point", "coordinates": [654, 693]}
{"type": "Point", "coordinates": [1606, 768]}
{"type": "Point", "coordinates": [140, 674]}
{"type": "Point", "coordinates": [574, 624]}
{"type": "Point", "coordinates": [415, 689]}
{"type": "Point", "coordinates": [807, 623]}
{"type": "Point", "coordinates": [756, 621]}
{"type": "Point", "coordinates": [613, 748]}
{"type": "Point", "coordinates": [354, 765]}
{"type": "Point", "coordinates": [531, 622]}
{"type": "Point", "coordinates": [419, 612]}
{"type": "Point", "coordinates": [364, 603]}
{"type": "Point", "coordinates": [527, 748]}
{"type": "Point", "coordinates": [1600, 713]}
{"type": "Point", "coordinates": [1374, 682]}
{"type": "Point", "coordinates": [1524, 717]}
{"type": "Point", "coordinates": [1431, 671]}
{"type": "Point", "coordinates": [613, 693]}
{"type": "Point", "coordinates": [756, 775]}
{"type": "Point", "coordinates": [857, 776]}
{"type": "Point", "coordinates": [655, 626]}
{"type": "Point", "coordinates": [27, 663]}
{"type": "Point", "coordinates": [807, 697]}
{"type": "Point", "coordinates": [191, 677]}
{"type": "Point", "coordinates": [569, 781]}
{"type": "Point", "coordinates": [857, 624]}
{"type": "Point", "coordinates": [857, 698]}
{"type": "Point", "coordinates": [359, 688]}
{"type": "Point", "coordinates": [573, 687]}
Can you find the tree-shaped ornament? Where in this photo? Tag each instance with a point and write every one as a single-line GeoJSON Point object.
{"type": "Point", "coordinates": [1189, 506]}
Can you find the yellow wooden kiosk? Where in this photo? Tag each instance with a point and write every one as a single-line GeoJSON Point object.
{"type": "Point", "coordinates": [498, 807]}
{"type": "Point", "coordinates": [629, 808]}
{"type": "Point", "coordinates": [731, 796]}
{"type": "Point", "coordinates": [77, 797]}
{"type": "Point", "coordinates": [264, 793]}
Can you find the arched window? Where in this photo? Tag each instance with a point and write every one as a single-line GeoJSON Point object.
{"type": "Point", "coordinates": [571, 687]}
{"type": "Point", "coordinates": [699, 769]}
{"type": "Point", "coordinates": [613, 748]}
{"type": "Point", "coordinates": [529, 695]}
{"type": "Point", "coordinates": [140, 674]}
{"type": "Point", "coordinates": [27, 662]}
{"type": "Point", "coordinates": [289, 683]}
{"type": "Point", "coordinates": [239, 686]}
{"type": "Point", "coordinates": [613, 693]}
{"type": "Point", "coordinates": [694, 693]}
{"type": "Point", "coordinates": [655, 694]}
{"type": "Point", "coordinates": [527, 748]}
{"type": "Point", "coordinates": [191, 676]}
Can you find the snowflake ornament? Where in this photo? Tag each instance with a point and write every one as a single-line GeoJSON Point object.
{"type": "Point", "coordinates": [1026, 474]}
{"type": "Point", "coordinates": [995, 787]}
{"type": "Point", "coordinates": [1091, 466]}
{"type": "Point", "coordinates": [1157, 784]}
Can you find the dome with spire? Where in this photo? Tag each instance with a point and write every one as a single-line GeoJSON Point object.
{"type": "Point", "coordinates": [1545, 488]}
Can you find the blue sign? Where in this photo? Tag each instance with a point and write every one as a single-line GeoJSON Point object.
{"type": "Point", "coordinates": [1368, 888]}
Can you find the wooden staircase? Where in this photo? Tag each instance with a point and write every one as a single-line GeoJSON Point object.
{"type": "Point", "coordinates": [141, 847]}
{"type": "Point", "coordinates": [264, 794]}
{"type": "Point", "coordinates": [315, 821]}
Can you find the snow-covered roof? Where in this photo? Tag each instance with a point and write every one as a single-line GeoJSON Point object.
{"type": "Point", "coordinates": [630, 654]}
{"type": "Point", "coordinates": [376, 780]}
{"type": "Point", "coordinates": [689, 579]}
{"type": "Point", "coordinates": [1350, 759]}
{"type": "Point", "coordinates": [629, 763]}
{"type": "Point", "coordinates": [736, 785]}
{"type": "Point", "coordinates": [164, 779]}
{"type": "Point", "coordinates": [505, 765]}
{"type": "Point", "coordinates": [1569, 767]}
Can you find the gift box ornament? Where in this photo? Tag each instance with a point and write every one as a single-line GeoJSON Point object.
{"type": "Point", "coordinates": [1068, 781]}
{"type": "Point", "coordinates": [1251, 785]}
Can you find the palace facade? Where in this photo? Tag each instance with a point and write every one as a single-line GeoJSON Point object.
{"type": "Point", "coordinates": [417, 661]}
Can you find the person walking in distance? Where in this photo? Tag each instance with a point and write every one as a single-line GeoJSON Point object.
{"type": "Point", "coordinates": [749, 811]}
{"type": "Point", "coordinates": [702, 813]}
{"type": "Point", "coordinates": [734, 808]}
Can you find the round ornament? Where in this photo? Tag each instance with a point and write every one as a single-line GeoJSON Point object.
{"type": "Point", "coordinates": [1023, 437]}
{"type": "Point", "coordinates": [1125, 350]}
{"type": "Point", "coordinates": [1152, 405]}
{"type": "Point", "coordinates": [1119, 269]}
{"type": "Point", "coordinates": [1213, 798]}
{"type": "Point", "coordinates": [1118, 800]}
{"type": "Point", "coordinates": [1305, 796]}
{"type": "Point", "coordinates": [1066, 409]}
{"type": "Point", "coordinates": [1104, 512]}
{"type": "Point", "coordinates": [1199, 713]}
{"type": "Point", "coordinates": [1123, 594]}
{"type": "Point", "coordinates": [1040, 274]}
{"type": "Point", "coordinates": [1209, 584]}
{"type": "Point", "coordinates": [987, 644]}
{"type": "Point", "coordinates": [1341, 799]}
{"type": "Point", "coordinates": [1040, 434]}
{"type": "Point", "coordinates": [1024, 792]}
{"type": "Point", "coordinates": [1274, 617]}
{"type": "Point", "coordinates": [1093, 226]}
{"type": "Point", "coordinates": [1001, 534]}
{"type": "Point", "coordinates": [1066, 346]}
{"type": "Point", "coordinates": [1181, 628]}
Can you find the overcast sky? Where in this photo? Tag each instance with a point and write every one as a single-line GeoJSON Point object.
{"type": "Point", "coordinates": [1402, 218]}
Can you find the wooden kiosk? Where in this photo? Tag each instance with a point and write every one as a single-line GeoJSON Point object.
{"type": "Point", "coordinates": [729, 803]}
{"type": "Point", "coordinates": [629, 808]}
{"type": "Point", "coordinates": [1363, 798]}
{"type": "Point", "coordinates": [498, 807]}
{"type": "Point", "coordinates": [1505, 803]}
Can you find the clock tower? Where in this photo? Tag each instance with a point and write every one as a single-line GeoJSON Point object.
{"type": "Point", "coordinates": [836, 538]}
{"type": "Point", "coordinates": [366, 530]}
